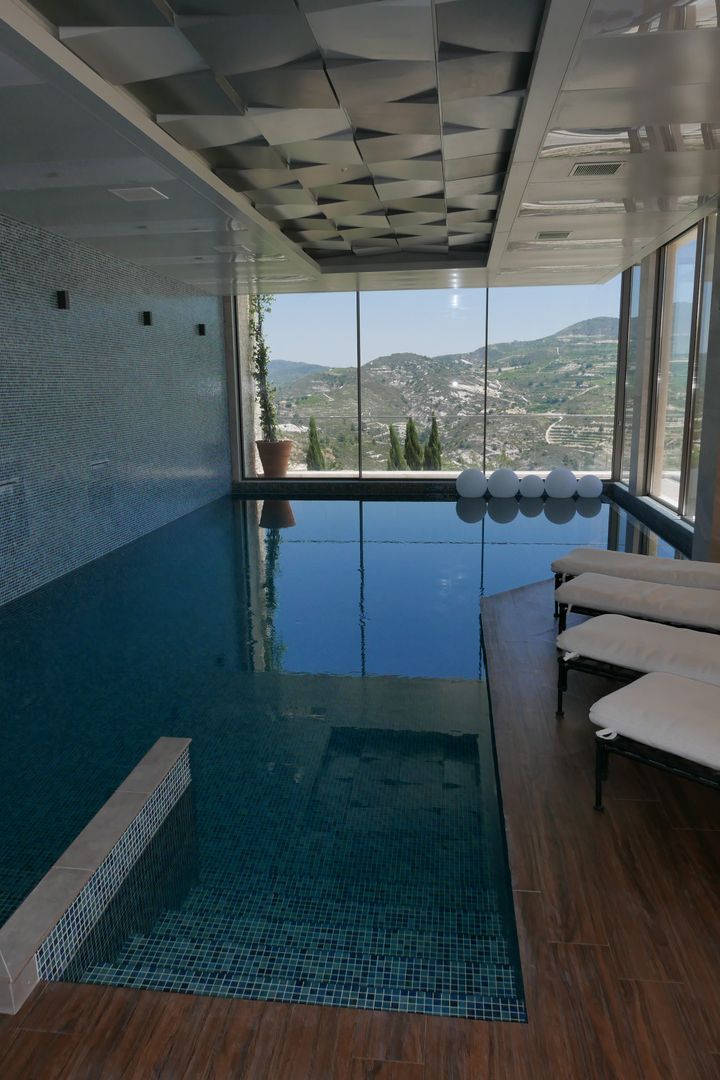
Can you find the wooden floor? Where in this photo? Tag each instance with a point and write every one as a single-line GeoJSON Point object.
{"type": "Point", "coordinates": [618, 916]}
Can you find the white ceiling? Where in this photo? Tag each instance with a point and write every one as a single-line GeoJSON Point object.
{"type": "Point", "coordinates": [335, 144]}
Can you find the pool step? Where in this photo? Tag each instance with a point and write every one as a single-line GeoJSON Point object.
{"type": "Point", "coordinates": [266, 975]}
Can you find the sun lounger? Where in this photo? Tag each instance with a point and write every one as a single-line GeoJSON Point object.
{"type": "Point", "coordinates": [597, 594]}
{"type": "Point", "coordinates": [622, 564]}
{"type": "Point", "coordinates": [623, 648]}
{"type": "Point", "coordinates": [667, 721]}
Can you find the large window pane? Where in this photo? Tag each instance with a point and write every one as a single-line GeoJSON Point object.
{"type": "Point", "coordinates": [673, 361]}
{"type": "Point", "coordinates": [551, 378]}
{"type": "Point", "coordinates": [422, 355]}
{"type": "Point", "coordinates": [631, 373]}
{"type": "Point", "coordinates": [313, 366]}
{"type": "Point", "coordinates": [709, 241]}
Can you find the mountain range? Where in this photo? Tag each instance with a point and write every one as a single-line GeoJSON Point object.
{"type": "Point", "coordinates": [550, 401]}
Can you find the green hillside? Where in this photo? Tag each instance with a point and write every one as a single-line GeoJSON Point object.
{"type": "Point", "coordinates": [549, 402]}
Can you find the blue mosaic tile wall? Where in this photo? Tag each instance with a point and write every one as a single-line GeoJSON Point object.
{"type": "Point", "coordinates": [108, 428]}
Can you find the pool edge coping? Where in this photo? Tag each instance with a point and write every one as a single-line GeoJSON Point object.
{"type": "Point", "coordinates": [41, 913]}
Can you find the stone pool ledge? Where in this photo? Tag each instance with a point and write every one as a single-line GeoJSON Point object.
{"type": "Point", "coordinates": [41, 937]}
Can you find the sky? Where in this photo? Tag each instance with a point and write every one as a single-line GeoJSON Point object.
{"type": "Point", "coordinates": [319, 328]}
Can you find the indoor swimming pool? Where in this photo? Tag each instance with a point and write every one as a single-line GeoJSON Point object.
{"type": "Point", "coordinates": [342, 841]}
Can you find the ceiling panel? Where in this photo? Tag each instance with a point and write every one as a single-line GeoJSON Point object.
{"type": "Point", "coordinates": [372, 131]}
{"type": "Point", "coordinates": [347, 107]}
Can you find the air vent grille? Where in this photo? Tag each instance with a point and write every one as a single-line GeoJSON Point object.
{"type": "Point", "coordinates": [553, 234]}
{"type": "Point", "coordinates": [595, 168]}
{"type": "Point", "coordinates": [138, 194]}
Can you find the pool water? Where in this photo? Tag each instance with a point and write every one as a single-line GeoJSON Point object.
{"type": "Point", "coordinates": [344, 840]}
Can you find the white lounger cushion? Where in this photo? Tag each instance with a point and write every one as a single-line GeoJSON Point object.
{"type": "Point", "coordinates": [644, 599]}
{"type": "Point", "coordinates": [668, 712]}
{"type": "Point", "coordinates": [646, 646]}
{"type": "Point", "coordinates": [699, 575]}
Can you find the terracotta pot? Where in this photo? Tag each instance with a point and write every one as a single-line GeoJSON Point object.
{"type": "Point", "coordinates": [277, 514]}
{"type": "Point", "coordinates": [275, 456]}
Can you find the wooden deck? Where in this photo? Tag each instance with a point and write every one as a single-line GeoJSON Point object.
{"type": "Point", "coordinates": [618, 916]}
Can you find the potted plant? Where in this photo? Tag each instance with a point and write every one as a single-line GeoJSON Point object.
{"type": "Point", "coordinates": [274, 452]}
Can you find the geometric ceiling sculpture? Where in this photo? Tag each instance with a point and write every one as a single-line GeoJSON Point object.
{"type": "Point", "coordinates": [364, 130]}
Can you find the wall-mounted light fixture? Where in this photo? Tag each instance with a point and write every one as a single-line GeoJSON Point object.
{"type": "Point", "coordinates": [62, 296]}
{"type": "Point", "coordinates": [201, 329]}
{"type": "Point", "coordinates": [147, 318]}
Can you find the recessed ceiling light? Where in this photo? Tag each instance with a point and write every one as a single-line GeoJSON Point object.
{"type": "Point", "coordinates": [138, 194]}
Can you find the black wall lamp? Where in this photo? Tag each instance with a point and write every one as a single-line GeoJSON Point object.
{"type": "Point", "coordinates": [201, 329]}
{"type": "Point", "coordinates": [62, 297]}
{"type": "Point", "coordinates": [147, 318]}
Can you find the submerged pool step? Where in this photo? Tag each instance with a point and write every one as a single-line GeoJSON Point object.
{"type": "Point", "coordinates": [267, 975]}
{"type": "Point", "coordinates": [348, 946]}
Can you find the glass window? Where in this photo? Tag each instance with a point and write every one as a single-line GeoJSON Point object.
{"type": "Point", "coordinates": [552, 369]}
{"type": "Point", "coordinates": [311, 339]}
{"type": "Point", "coordinates": [422, 360]}
{"type": "Point", "coordinates": [698, 403]}
{"type": "Point", "coordinates": [673, 363]}
{"type": "Point", "coordinates": [631, 372]}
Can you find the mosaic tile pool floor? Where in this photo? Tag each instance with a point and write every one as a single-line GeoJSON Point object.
{"type": "Point", "coordinates": [350, 853]}
{"type": "Point", "coordinates": [343, 840]}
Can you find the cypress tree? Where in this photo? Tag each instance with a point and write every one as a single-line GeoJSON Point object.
{"type": "Point", "coordinates": [396, 458]}
{"type": "Point", "coordinates": [432, 458]}
{"type": "Point", "coordinates": [413, 449]}
{"type": "Point", "coordinates": [314, 459]}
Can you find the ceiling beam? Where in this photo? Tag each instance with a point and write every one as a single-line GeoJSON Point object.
{"type": "Point", "coordinates": [558, 39]}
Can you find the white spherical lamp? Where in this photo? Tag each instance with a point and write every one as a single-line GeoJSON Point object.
{"type": "Point", "coordinates": [560, 484]}
{"type": "Point", "coordinates": [531, 486]}
{"type": "Point", "coordinates": [503, 510]}
{"type": "Point", "coordinates": [471, 484]}
{"type": "Point", "coordinates": [589, 487]}
{"type": "Point", "coordinates": [503, 484]}
{"type": "Point", "coordinates": [470, 510]}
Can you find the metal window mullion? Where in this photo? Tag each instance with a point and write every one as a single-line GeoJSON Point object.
{"type": "Point", "coordinates": [657, 336]}
{"type": "Point", "coordinates": [692, 368]}
{"type": "Point", "coordinates": [620, 395]}
{"type": "Point", "coordinates": [359, 381]}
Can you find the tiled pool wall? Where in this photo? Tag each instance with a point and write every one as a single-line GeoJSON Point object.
{"type": "Point", "coordinates": [109, 428]}
{"type": "Point", "coordinates": [61, 946]}
{"type": "Point", "coordinates": [66, 913]}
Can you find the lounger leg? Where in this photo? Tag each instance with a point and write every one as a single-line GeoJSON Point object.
{"type": "Point", "coordinates": [601, 771]}
{"type": "Point", "coordinates": [562, 615]}
{"type": "Point", "coordinates": [558, 583]}
{"type": "Point", "coordinates": [561, 686]}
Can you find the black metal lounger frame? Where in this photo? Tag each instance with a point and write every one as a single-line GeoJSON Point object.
{"type": "Point", "coordinates": [647, 755]}
{"type": "Point", "coordinates": [589, 667]}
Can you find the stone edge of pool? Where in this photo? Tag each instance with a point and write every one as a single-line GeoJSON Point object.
{"type": "Point", "coordinates": [44, 933]}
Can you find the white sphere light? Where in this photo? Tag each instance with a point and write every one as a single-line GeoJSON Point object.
{"type": "Point", "coordinates": [589, 487]}
{"type": "Point", "coordinates": [503, 484]}
{"type": "Point", "coordinates": [560, 484]}
{"type": "Point", "coordinates": [471, 484]}
{"type": "Point", "coordinates": [531, 486]}
{"type": "Point", "coordinates": [470, 510]}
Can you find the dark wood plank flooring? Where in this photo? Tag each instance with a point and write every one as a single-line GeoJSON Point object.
{"type": "Point", "coordinates": [618, 916]}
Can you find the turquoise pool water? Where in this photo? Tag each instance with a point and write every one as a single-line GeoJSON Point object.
{"type": "Point", "coordinates": [347, 843]}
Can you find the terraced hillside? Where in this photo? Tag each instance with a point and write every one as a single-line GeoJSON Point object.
{"type": "Point", "coordinates": [549, 402]}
